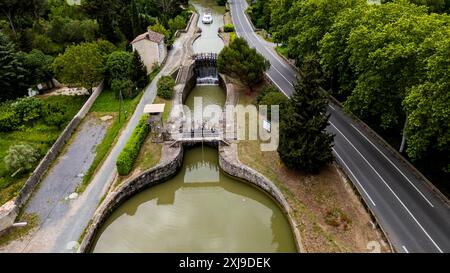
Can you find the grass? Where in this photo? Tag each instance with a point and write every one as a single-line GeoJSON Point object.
{"type": "Point", "coordinates": [37, 134]}
{"type": "Point", "coordinates": [149, 155]}
{"type": "Point", "coordinates": [330, 217]}
{"type": "Point", "coordinates": [166, 113]}
{"type": "Point", "coordinates": [107, 104]}
{"type": "Point", "coordinates": [17, 232]}
{"type": "Point", "coordinates": [263, 34]}
{"type": "Point", "coordinates": [283, 50]}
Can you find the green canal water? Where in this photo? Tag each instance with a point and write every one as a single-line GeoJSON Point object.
{"type": "Point", "coordinates": [201, 209]}
{"type": "Point", "coordinates": [209, 41]}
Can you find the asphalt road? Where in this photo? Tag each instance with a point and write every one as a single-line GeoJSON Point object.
{"type": "Point", "coordinates": [414, 217]}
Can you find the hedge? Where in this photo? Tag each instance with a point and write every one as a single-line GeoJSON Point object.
{"type": "Point", "coordinates": [127, 157]}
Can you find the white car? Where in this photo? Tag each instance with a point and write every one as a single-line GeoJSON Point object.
{"type": "Point", "coordinates": [207, 18]}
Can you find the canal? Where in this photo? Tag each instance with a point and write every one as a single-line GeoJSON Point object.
{"type": "Point", "coordinates": [201, 209]}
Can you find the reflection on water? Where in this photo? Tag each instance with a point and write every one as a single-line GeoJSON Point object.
{"type": "Point", "coordinates": [199, 210]}
{"type": "Point", "coordinates": [209, 41]}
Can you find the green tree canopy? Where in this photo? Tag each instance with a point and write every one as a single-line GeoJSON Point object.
{"type": "Point", "coordinates": [240, 61]}
{"type": "Point", "coordinates": [81, 64]}
{"type": "Point", "coordinates": [304, 143]}
{"type": "Point", "coordinates": [12, 71]}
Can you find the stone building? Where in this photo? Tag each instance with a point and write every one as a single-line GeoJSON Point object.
{"type": "Point", "coordinates": [151, 47]}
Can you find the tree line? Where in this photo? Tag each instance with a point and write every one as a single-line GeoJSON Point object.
{"type": "Point", "coordinates": [34, 33]}
{"type": "Point", "coordinates": [388, 63]}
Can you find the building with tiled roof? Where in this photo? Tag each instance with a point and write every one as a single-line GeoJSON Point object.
{"type": "Point", "coordinates": [151, 47]}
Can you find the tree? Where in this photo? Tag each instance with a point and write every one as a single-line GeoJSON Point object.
{"type": "Point", "coordinates": [12, 72]}
{"type": "Point", "coordinates": [304, 143]}
{"type": "Point", "coordinates": [122, 87]}
{"type": "Point", "coordinates": [139, 72]}
{"type": "Point", "coordinates": [427, 103]}
{"type": "Point", "coordinates": [158, 27]}
{"type": "Point", "coordinates": [21, 157]}
{"type": "Point", "coordinates": [119, 65]}
{"type": "Point", "coordinates": [177, 23]}
{"type": "Point", "coordinates": [240, 61]}
{"type": "Point", "coordinates": [165, 87]}
{"type": "Point", "coordinates": [38, 67]}
{"type": "Point", "coordinates": [81, 64]}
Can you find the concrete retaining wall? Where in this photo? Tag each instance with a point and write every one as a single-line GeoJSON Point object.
{"type": "Point", "coordinates": [169, 165]}
{"type": "Point", "coordinates": [9, 214]}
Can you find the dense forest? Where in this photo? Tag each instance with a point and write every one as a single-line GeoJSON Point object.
{"type": "Point", "coordinates": [33, 33]}
{"type": "Point", "coordinates": [388, 63]}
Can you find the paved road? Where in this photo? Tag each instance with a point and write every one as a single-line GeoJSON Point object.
{"type": "Point", "coordinates": [414, 217]}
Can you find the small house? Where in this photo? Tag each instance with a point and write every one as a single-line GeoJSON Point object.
{"type": "Point", "coordinates": [151, 47]}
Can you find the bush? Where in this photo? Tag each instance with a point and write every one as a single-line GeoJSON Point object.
{"type": "Point", "coordinates": [122, 85]}
{"type": "Point", "coordinates": [21, 157]}
{"type": "Point", "coordinates": [266, 89]}
{"type": "Point", "coordinates": [28, 109]}
{"type": "Point", "coordinates": [55, 114]}
{"type": "Point", "coordinates": [274, 98]}
{"type": "Point", "coordinates": [228, 28]}
{"type": "Point", "coordinates": [128, 156]}
{"type": "Point", "coordinates": [9, 121]}
{"type": "Point", "coordinates": [165, 87]}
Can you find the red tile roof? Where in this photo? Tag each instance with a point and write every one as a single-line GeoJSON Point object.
{"type": "Point", "coordinates": [151, 36]}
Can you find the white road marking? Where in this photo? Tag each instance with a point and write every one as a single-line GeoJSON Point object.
{"type": "Point", "coordinates": [331, 107]}
{"type": "Point", "coordinates": [248, 37]}
{"type": "Point", "coordinates": [404, 248]}
{"type": "Point", "coordinates": [392, 163]}
{"type": "Point", "coordinates": [390, 189]}
{"type": "Point", "coordinates": [404, 206]}
{"type": "Point", "coordinates": [356, 179]}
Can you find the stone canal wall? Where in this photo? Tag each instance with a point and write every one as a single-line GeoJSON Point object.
{"type": "Point", "coordinates": [229, 162]}
{"type": "Point", "coordinates": [169, 165]}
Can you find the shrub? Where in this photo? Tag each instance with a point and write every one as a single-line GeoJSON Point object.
{"type": "Point", "coordinates": [128, 156]}
{"type": "Point", "coordinates": [28, 109]}
{"type": "Point", "coordinates": [9, 121]}
{"type": "Point", "coordinates": [228, 28]}
{"type": "Point", "coordinates": [21, 157]}
{"type": "Point", "coordinates": [55, 114]}
{"type": "Point", "coordinates": [266, 89]}
{"type": "Point", "coordinates": [122, 85]}
{"type": "Point", "coordinates": [165, 87]}
{"type": "Point", "coordinates": [273, 98]}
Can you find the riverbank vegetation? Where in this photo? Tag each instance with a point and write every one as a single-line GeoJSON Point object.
{"type": "Point", "coordinates": [385, 62]}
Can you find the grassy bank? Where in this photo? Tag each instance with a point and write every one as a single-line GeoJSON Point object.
{"type": "Point", "coordinates": [39, 135]}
